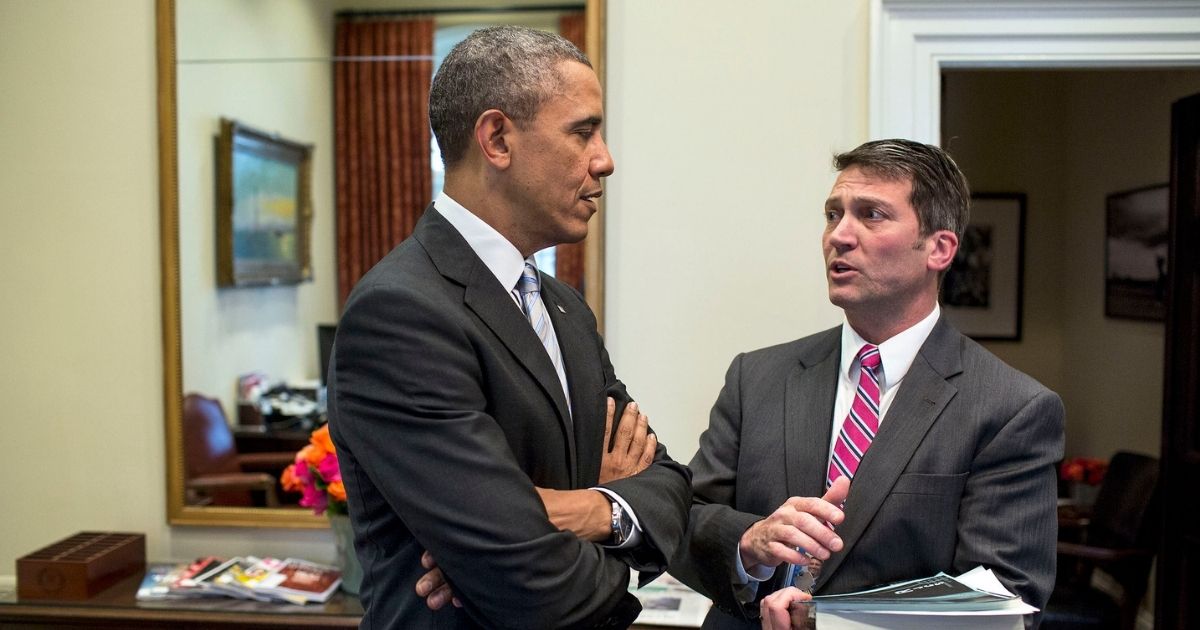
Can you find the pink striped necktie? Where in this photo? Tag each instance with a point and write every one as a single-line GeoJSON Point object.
{"type": "Point", "coordinates": [861, 424]}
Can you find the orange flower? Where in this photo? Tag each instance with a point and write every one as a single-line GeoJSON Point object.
{"type": "Point", "coordinates": [310, 454]}
{"type": "Point", "coordinates": [321, 440]}
{"type": "Point", "coordinates": [289, 481]}
{"type": "Point", "coordinates": [336, 490]}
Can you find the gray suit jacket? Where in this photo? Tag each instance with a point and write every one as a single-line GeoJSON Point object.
{"type": "Point", "coordinates": [446, 412]}
{"type": "Point", "coordinates": [961, 473]}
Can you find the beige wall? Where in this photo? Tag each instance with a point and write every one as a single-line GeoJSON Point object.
{"type": "Point", "coordinates": [722, 128]}
{"type": "Point", "coordinates": [1067, 139]}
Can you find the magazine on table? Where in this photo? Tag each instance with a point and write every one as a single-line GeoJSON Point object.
{"type": "Point", "coordinates": [291, 580]}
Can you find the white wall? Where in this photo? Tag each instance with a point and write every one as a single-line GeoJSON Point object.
{"type": "Point", "coordinates": [722, 126]}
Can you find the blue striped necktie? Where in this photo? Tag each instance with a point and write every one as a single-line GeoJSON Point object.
{"type": "Point", "coordinates": [529, 293]}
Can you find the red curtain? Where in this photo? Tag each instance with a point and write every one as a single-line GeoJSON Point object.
{"type": "Point", "coordinates": [381, 129]}
{"type": "Point", "coordinates": [569, 257]}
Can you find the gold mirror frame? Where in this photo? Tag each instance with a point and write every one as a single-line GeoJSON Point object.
{"type": "Point", "coordinates": [178, 513]}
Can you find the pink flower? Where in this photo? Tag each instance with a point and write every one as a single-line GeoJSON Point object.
{"type": "Point", "coordinates": [303, 473]}
{"type": "Point", "coordinates": [314, 498]}
{"type": "Point", "coordinates": [328, 469]}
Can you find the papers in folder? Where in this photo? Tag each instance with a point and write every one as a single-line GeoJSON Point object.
{"type": "Point", "coordinates": [940, 601]}
{"type": "Point", "coordinates": [669, 602]}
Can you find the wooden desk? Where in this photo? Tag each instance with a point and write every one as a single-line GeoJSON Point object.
{"type": "Point", "coordinates": [260, 439]}
{"type": "Point", "coordinates": [117, 607]}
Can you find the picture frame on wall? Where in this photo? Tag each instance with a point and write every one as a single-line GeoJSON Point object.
{"type": "Point", "coordinates": [1136, 241]}
{"type": "Point", "coordinates": [264, 208]}
{"type": "Point", "coordinates": [982, 292]}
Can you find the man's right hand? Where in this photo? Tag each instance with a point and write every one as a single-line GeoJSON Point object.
{"type": "Point", "coordinates": [634, 449]}
{"type": "Point", "coordinates": [801, 522]}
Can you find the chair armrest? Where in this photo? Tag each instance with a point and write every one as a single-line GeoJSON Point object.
{"type": "Point", "coordinates": [1101, 554]}
{"type": "Point", "coordinates": [233, 481]}
{"type": "Point", "coordinates": [237, 481]}
{"type": "Point", "coordinates": [265, 461]}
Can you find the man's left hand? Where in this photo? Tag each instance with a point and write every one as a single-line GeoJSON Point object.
{"type": "Point", "coordinates": [634, 447]}
{"type": "Point", "coordinates": [779, 613]}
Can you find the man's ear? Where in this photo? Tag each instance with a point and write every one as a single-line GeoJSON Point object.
{"type": "Point", "coordinates": [943, 247]}
{"type": "Point", "coordinates": [492, 129]}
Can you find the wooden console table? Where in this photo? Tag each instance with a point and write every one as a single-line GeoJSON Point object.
{"type": "Point", "coordinates": [118, 607]}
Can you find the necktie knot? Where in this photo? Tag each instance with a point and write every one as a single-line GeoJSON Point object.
{"type": "Point", "coordinates": [528, 283]}
{"type": "Point", "coordinates": [869, 357]}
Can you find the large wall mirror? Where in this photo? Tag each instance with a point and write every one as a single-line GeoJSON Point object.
{"type": "Point", "coordinates": [270, 66]}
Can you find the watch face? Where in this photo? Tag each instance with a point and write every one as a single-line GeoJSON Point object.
{"type": "Point", "coordinates": [625, 525]}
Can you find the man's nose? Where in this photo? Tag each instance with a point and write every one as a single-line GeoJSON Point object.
{"type": "Point", "coordinates": [602, 164]}
{"type": "Point", "coordinates": [842, 235]}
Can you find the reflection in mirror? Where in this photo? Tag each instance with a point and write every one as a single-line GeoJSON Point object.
{"type": "Point", "coordinates": [248, 358]}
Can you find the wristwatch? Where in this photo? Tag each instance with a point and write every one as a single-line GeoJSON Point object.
{"type": "Point", "coordinates": [622, 524]}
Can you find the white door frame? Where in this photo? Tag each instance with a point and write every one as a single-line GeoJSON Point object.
{"type": "Point", "coordinates": [913, 40]}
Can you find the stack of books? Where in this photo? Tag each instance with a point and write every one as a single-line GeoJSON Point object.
{"type": "Point", "coordinates": [290, 580]}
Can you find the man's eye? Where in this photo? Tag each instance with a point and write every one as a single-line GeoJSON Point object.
{"type": "Point", "coordinates": [831, 216]}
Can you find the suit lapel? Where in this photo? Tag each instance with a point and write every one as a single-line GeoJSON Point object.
{"type": "Point", "coordinates": [921, 398]}
{"type": "Point", "coordinates": [493, 304]}
{"type": "Point", "coordinates": [809, 395]}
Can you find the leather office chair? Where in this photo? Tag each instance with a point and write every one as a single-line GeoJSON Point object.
{"type": "Point", "coordinates": [1119, 538]}
{"type": "Point", "coordinates": [215, 473]}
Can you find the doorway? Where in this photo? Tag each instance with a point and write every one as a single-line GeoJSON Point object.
{"type": "Point", "coordinates": [1068, 140]}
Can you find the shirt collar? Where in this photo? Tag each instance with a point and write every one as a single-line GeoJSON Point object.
{"type": "Point", "coordinates": [497, 253]}
{"type": "Point", "coordinates": [896, 354]}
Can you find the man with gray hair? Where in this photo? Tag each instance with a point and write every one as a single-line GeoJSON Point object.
{"type": "Point", "coordinates": [888, 448]}
{"type": "Point", "coordinates": [472, 401]}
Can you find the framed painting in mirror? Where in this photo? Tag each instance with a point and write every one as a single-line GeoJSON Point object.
{"type": "Point", "coordinates": [264, 208]}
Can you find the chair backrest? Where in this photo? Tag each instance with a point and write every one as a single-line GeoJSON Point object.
{"type": "Point", "coordinates": [208, 446]}
{"type": "Point", "coordinates": [1123, 513]}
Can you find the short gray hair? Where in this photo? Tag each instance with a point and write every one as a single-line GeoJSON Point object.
{"type": "Point", "coordinates": [940, 193]}
{"type": "Point", "coordinates": [509, 68]}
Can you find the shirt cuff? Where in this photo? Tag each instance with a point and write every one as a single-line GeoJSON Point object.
{"type": "Point", "coordinates": [635, 536]}
{"type": "Point", "coordinates": [760, 574]}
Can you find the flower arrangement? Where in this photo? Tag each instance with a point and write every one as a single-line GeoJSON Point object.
{"type": "Point", "coordinates": [316, 474]}
{"type": "Point", "coordinates": [1086, 470]}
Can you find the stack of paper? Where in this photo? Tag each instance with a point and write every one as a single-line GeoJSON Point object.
{"type": "Point", "coordinates": [975, 599]}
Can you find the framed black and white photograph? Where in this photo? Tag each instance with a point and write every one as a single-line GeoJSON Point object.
{"type": "Point", "coordinates": [1135, 254]}
{"type": "Point", "coordinates": [982, 290]}
{"type": "Point", "coordinates": [264, 208]}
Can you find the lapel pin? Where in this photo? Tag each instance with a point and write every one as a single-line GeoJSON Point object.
{"type": "Point", "coordinates": [561, 309]}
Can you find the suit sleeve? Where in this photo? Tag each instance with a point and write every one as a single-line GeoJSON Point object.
{"type": "Point", "coordinates": [412, 410]}
{"type": "Point", "coordinates": [707, 558]}
{"type": "Point", "coordinates": [1008, 517]}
